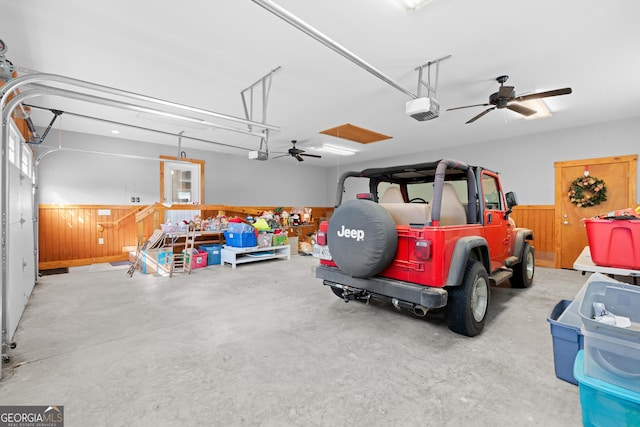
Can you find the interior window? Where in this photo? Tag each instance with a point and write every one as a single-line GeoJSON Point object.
{"type": "Point", "coordinates": [181, 182]}
{"type": "Point", "coordinates": [13, 143]}
{"type": "Point", "coordinates": [25, 164]}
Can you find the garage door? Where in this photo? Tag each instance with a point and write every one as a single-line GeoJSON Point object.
{"type": "Point", "coordinates": [21, 272]}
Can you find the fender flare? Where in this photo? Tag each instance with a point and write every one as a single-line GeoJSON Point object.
{"type": "Point", "coordinates": [461, 252]}
{"type": "Point", "coordinates": [521, 236]}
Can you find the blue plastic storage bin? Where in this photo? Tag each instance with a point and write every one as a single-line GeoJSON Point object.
{"type": "Point", "coordinates": [240, 240]}
{"type": "Point", "coordinates": [567, 340]}
{"type": "Point", "coordinates": [213, 253]}
{"type": "Point", "coordinates": [603, 403]}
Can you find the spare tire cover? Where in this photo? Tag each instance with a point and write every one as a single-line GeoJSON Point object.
{"type": "Point", "coordinates": [362, 238]}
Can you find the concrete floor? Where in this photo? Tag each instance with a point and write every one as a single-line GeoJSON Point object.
{"type": "Point", "coordinates": [267, 345]}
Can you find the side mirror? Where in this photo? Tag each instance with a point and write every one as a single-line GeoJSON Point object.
{"type": "Point", "coordinates": [512, 200]}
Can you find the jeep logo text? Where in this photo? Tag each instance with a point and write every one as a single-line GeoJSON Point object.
{"type": "Point", "coordinates": [351, 234]}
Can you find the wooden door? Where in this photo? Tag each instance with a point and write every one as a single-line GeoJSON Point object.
{"type": "Point", "coordinates": [619, 175]}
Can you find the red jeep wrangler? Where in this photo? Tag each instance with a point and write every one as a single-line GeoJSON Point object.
{"type": "Point", "coordinates": [424, 236]}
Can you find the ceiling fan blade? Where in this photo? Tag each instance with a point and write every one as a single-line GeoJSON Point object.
{"type": "Point", "coordinates": [311, 155]}
{"type": "Point", "coordinates": [480, 115]}
{"type": "Point", "coordinates": [468, 106]}
{"type": "Point", "coordinates": [277, 157]}
{"type": "Point", "coordinates": [505, 91]}
{"type": "Point", "coordinates": [557, 92]}
{"type": "Point", "coordinates": [300, 159]}
{"type": "Point", "coordinates": [521, 109]}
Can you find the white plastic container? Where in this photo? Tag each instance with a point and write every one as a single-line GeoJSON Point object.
{"type": "Point", "coordinates": [612, 353]}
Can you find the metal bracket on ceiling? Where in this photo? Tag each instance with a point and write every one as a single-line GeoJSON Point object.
{"type": "Point", "coordinates": [431, 89]}
{"type": "Point", "coordinates": [325, 40]}
{"type": "Point", "coordinates": [264, 84]}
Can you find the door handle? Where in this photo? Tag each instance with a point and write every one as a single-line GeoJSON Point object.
{"type": "Point", "coordinates": [565, 222]}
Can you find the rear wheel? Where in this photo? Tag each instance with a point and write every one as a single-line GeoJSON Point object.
{"type": "Point", "coordinates": [523, 272]}
{"type": "Point", "coordinates": [468, 303]}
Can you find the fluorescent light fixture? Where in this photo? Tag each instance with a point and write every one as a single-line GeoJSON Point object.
{"type": "Point", "coordinates": [328, 148]}
{"type": "Point", "coordinates": [411, 5]}
{"type": "Point", "coordinates": [538, 105]}
{"type": "Point", "coordinates": [115, 132]}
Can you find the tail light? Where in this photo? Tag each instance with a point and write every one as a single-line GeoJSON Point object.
{"type": "Point", "coordinates": [321, 237]}
{"type": "Point", "coordinates": [422, 249]}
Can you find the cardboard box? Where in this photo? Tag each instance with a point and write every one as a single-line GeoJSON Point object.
{"type": "Point", "coordinates": [156, 260]}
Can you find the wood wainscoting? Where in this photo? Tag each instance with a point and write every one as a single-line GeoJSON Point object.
{"type": "Point", "coordinates": [540, 219]}
{"type": "Point", "coordinates": [74, 235]}
{"type": "Point", "coordinates": [70, 235]}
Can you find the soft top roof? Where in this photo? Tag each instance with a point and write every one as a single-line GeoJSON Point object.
{"type": "Point", "coordinates": [420, 172]}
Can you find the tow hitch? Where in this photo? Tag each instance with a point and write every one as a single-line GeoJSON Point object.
{"type": "Point", "coordinates": [349, 294]}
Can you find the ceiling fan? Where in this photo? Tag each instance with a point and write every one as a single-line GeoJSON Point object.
{"type": "Point", "coordinates": [506, 97]}
{"type": "Point", "coordinates": [297, 153]}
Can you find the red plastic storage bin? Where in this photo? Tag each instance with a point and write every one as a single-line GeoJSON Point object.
{"type": "Point", "coordinates": [614, 242]}
{"type": "Point", "coordinates": [199, 259]}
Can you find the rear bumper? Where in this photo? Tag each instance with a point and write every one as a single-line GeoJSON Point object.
{"type": "Point", "coordinates": [425, 296]}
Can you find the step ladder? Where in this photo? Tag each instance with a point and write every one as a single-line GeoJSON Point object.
{"type": "Point", "coordinates": [181, 261]}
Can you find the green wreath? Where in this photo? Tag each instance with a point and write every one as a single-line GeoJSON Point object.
{"type": "Point", "coordinates": [587, 191]}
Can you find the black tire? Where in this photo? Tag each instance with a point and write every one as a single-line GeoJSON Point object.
{"type": "Point", "coordinates": [362, 238]}
{"type": "Point", "coordinates": [523, 272]}
{"type": "Point", "coordinates": [469, 302]}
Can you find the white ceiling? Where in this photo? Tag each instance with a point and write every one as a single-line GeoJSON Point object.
{"type": "Point", "coordinates": [203, 53]}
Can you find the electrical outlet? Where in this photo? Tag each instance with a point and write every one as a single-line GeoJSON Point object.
{"type": "Point", "coordinates": [100, 241]}
{"type": "Point", "coordinates": [137, 199]}
{"type": "Point", "coordinates": [133, 199]}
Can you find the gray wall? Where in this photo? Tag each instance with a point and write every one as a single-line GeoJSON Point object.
{"type": "Point", "coordinates": [526, 163]}
{"type": "Point", "coordinates": [81, 178]}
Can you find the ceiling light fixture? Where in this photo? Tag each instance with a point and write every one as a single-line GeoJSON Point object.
{"type": "Point", "coordinates": [412, 5]}
{"type": "Point", "coordinates": [542, 111]}
{"type": "Point", "coordinates": [328, 148]}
